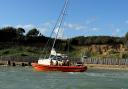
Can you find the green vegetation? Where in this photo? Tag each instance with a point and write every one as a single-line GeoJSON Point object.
{"type": "Point", "coordinates": [15, 42]}
{"type": "Point", "coordinates": [21, 51]}
{"type": "Point", "coordinates": [81, 40]}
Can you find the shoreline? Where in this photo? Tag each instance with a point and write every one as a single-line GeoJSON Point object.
{"type": "Point", "coordinates": [89, 66]}
{"type": "Point", "coordinates": [109, 67]}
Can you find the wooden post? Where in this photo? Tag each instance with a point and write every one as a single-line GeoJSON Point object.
{"type": "Point", "coordinates": [13, 64]}
{"type": "Point", "coordinates": [9, 62]}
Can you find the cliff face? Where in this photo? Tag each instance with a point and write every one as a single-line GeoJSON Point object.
{"type": "Point", "coordinates": [107, 49]}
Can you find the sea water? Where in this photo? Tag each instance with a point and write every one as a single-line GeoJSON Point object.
{"type": "Point", "coordinates": [27, 78]}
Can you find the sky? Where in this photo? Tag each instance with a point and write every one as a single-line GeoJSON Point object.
{"type": "Point", "coordinates": [83, 18]}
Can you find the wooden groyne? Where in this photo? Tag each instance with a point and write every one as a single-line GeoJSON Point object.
{"type": "Point", "coordinates": [17, 61]}
{"type": "Point", "coordinates": [26, 61]}
{"type": "Point", "coordinates": [105, 61]}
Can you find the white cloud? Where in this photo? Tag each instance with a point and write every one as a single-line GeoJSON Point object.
{"type": "Point", "coordinates": [91, 20]}
{"type": "Point", "coordinates": [47, 27]}
{"type": "Point", "coordinates": [126, 21]}
{"type": "Point", "coordinates": [41, 28]}
{"type": "Point", "coordinates": [6, 25]}
{"type": "Point", "coordinates": [80, 27]}
{"type": "Point", "coordinates": [117, 30]}
{"type": "Point", "coordinates": [60, 33]}
{"type": "Point", "coordinates": [56, 30]}
{"type": "Point", "coordinates": [74, 26]}
{"type": "Point", "coordinates": [28, 26]}
{"type": "Point", "coordinates": [47, 24]}
{"type": "Point", "coordinates": [95, 29]}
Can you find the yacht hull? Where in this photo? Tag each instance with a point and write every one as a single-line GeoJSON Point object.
{"type": "Point", "coordinates": [40, 67]}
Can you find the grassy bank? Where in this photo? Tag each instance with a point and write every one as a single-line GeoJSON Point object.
{"type": "Point", "coordinates": [21, 51]}
{"type": "Point", "coordinates": [78, 51]}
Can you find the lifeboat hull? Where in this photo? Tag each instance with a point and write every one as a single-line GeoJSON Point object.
{"type": "Point", "coordinates": [40, 67]}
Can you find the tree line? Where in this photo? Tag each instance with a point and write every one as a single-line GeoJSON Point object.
{"type": "Point", "coordinates": [81, 40]}
{"type": "Point", "coordinates": [19, 36]}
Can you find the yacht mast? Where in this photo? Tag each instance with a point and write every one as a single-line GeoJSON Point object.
{"type": "Point", "coordinates": [60, 21]}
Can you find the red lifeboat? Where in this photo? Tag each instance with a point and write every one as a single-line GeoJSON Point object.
{"type": "Point", "coordinates": [45, 64]}
{"type": "Point", "coordinates": [41, 67]}
{"type": "Point", "coordinates": [58, 62]}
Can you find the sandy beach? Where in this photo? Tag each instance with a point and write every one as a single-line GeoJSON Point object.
{"type": "Point", "coordinates": [111, 67]}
